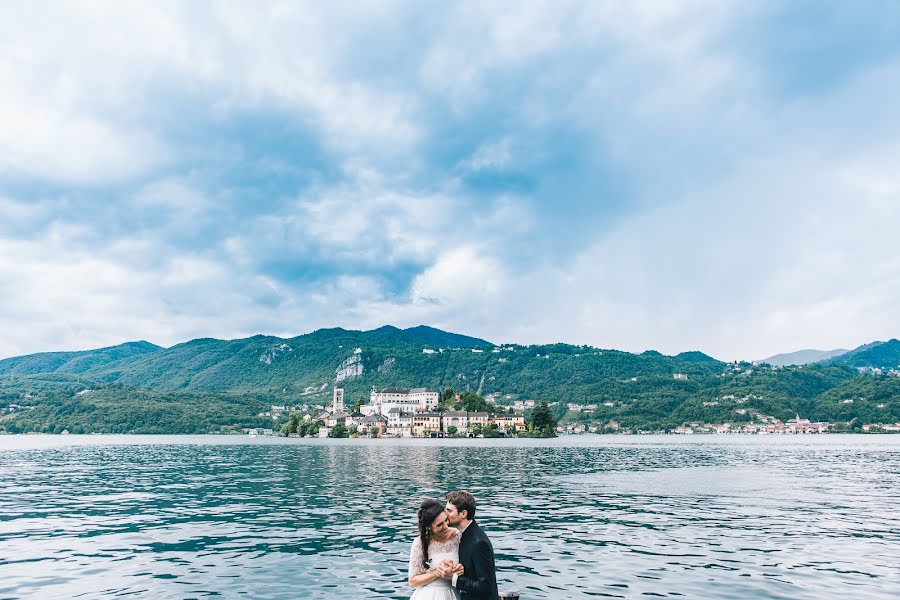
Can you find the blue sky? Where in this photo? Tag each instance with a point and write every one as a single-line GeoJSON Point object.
{"type": "Point", "coordinates": [720, 176]}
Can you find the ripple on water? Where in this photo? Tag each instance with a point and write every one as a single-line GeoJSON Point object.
{"type": "Point", "coordinates": [588, 517]}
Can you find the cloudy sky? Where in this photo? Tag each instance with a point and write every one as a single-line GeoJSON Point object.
{"type": "Point", "coordinates": [721, 176]}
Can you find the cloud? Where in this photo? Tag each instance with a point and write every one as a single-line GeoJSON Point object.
{"type": "Point", "coordinates": [666, 175]}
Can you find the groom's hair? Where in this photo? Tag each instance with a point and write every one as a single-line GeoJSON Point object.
{"type": "Point", "coordinates": [463, 501]}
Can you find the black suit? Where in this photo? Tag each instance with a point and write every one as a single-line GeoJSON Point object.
{"type": "Point", "coordinates": [477, 557]}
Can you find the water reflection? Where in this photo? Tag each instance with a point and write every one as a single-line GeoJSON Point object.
{"type": "Point", "coordinates": [578, 518]}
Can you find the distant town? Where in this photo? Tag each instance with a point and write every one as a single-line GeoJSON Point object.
{"type": "Point", "coordinates": [400, 413]}
{"type": "Point", "coordinates": [414, 413]}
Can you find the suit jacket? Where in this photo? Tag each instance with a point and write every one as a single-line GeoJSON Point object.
{"type": "Point", "coordinates": [477, 557]}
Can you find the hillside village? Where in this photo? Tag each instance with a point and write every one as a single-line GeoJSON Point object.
{"type": "Point", "coordinates": [406, 413]}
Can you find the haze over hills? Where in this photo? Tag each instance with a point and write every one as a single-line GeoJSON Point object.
{"type": "Point", "coordinates": [209, 384]}
{"type": "Point", "coordinates": [876, 355]}
{"type": "Point", "coordinates": [801, 357]}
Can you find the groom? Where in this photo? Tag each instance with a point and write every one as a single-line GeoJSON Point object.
{"type": "Point", "coordinates": [479, 579]}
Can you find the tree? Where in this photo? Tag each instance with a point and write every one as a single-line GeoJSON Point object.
{"type": "Point", "coordinates": [452, 430]}
{"type": "Point", "coordinates": [542, 418]}
{"type": "Point", "coordinates": [339, 431]}
{"type": "Point", "coordinates": [359, 402]}
{"type": "Point", "coordinates": [472, 402]}
{"type": "Point", "coordinates": [293, 423]}
{"type": "Point", "coordinates": [310, 428]}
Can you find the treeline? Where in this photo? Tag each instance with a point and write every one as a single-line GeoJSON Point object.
{"type": "Point", "coordinates": [120, 409]}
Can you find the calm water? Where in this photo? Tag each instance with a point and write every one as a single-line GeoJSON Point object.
{"type": "Point", "coordinates": [577, 517]}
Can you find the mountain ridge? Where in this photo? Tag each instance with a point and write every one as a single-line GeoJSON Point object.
{"type": "Point", "coordinates": [880, 355]}
{"type": "Point", "coordinates": [124, 388]}
{"type": "Point", "coordinates": [72, 361]}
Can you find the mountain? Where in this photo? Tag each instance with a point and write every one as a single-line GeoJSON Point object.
{"type": "Point", "coordinates": [303, 369]}
{"type": "Point", "coordinates": [881, 355]}
{"type": "Point", "coordinates": [260, 363]}
{"type": "Point", "coordinates": [219, 385]}
{"type": "Point", "coordinates": [695, 356]}
{"type": "Point", "coordinates": [73, 362]}
{"type": "Point", "coordinates": [437, 338]}
{"type": "Point", "coordinates": [801, 357]}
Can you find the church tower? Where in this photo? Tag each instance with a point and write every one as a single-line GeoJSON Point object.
{"type": "Point", "coordinates": [337, 403]}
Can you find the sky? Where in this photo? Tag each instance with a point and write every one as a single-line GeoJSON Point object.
{"type": "Point", "coordinates": [715, 176]}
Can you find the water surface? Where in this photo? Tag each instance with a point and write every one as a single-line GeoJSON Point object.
{"type": "Point", "coordinates": [575, 517]}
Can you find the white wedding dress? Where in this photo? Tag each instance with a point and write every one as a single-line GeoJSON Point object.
{"type": "Point", "coordinates": [439, 589]}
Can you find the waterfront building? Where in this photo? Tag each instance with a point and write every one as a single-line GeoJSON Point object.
{"type": "Point", "coordinates": [425, 423]}
{"type": "Point", "coordinates": [375, 425]}
{"type": "Point", "coordinates": [399, 423]}
{"type": "Point", "coordinates": [478, 419]}
{"type": "Point", "coordinates": [506, 422]}
{"type": "Point", "coordinates": [458, 419]}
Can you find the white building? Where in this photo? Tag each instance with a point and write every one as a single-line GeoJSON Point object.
{"type": "Point", "coordinates": [407, 400]}
{"type": "Point", "coordinates": [399, 423]}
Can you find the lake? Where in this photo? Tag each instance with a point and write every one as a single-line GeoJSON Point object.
{"type": "Point", "coordinates": [574, 517]}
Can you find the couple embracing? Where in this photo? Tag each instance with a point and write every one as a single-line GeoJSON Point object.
{"type": "Point", "coordinates": [451, 558]}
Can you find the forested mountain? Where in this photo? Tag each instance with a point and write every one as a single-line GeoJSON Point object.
{"type": "Point", "coordinates": [437, 338]}
{"type": "Point", "coordinates": [879, 355]}
{"type": "Point", "coordinates": [73, 362]}
{"type": "Point", "coordinates": [208, 381]}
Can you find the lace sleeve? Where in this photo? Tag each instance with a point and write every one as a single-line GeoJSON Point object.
{"type": "Point", "coordinates": [415, 558]}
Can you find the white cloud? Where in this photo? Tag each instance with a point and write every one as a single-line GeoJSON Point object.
{"type": "Point", "coordinates": [82, 85]}
{"type": "Point", "coordinates": [492, 155]}
{"type": "Point", "coordinates": [738, 219]}
{"type": "Point", "coordinates": [72, 148]}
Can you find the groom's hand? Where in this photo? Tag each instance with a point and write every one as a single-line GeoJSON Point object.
{"type": "Point", "coordinates": [445, 568]}
{"type": "Point", "coordinates": [457, 569]}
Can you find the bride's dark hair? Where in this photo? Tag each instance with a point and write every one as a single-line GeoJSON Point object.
{"type": "Point", "coordinates": [428, 512]}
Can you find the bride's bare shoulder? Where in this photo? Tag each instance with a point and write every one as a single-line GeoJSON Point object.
{"type": "Point", "coordinates": [453, 531]}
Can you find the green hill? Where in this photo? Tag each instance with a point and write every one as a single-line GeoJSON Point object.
{"type": "Point", "coordinates": [73, 362]}
{"type": "Point", "coordinates": [880, 355]}
{"type": "Point", "coordinates": [695, 356]}
{"type": "Point", "coordinates": [437, 338]}
{"type": "Point", "coordinates": [232, 381]}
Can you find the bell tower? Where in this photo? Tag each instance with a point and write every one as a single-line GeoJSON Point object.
{"type": "Point", "coordinates": [337, 403]}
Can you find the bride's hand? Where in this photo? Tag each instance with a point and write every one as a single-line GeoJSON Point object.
{"type": "Point", "coordinates": [443, 569]}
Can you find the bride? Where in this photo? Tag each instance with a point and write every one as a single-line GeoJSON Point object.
{"type": "Point", "coordinates": [434, 555]}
